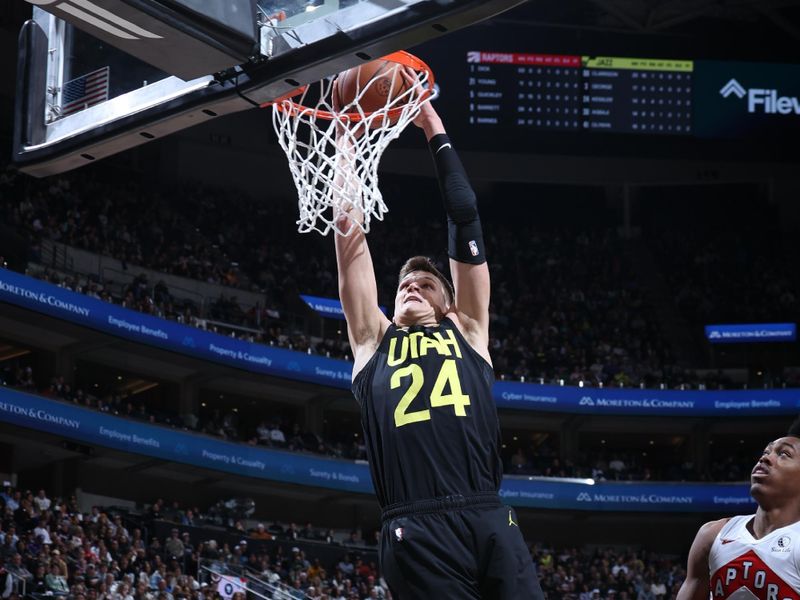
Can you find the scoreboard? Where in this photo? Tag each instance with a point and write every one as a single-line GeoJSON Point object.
{"type": "Point", "coordinates": [503, 91]}
{"type": "Point", "coordinates": [579, 93]}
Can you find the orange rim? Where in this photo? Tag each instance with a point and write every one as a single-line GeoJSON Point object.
{"type": "Point", "coordinates": [284, 104]}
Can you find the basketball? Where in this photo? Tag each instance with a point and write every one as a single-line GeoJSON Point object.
{"type": "Point", "coordinates": [380, 81]}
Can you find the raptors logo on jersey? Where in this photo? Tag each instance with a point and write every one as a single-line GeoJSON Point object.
{"type": "Point", "coordinates": [744, 568]}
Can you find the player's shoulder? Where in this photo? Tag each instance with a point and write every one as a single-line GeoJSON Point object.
{"type": "Point", "coordinates": [473, 334]}
{"type": "Point", "coordinates": [710, 530]}
{"type": "Point", "coordinates": [715, 525]}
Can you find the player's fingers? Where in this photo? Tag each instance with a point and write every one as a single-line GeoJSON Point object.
{"type": "Point", "coordinates": [409, 75]}
{"type": "Point", "coordinates": [337, 105]}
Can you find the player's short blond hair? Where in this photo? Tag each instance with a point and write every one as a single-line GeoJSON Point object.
{"type": "Point", "coordinates": [423, 263]}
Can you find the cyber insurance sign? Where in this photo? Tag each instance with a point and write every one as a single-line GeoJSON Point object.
{"type": "Point", "coordinates": [739, 99]}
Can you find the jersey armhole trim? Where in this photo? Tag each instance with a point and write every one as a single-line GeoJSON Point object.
{"type": "Point", "coordinates": [369, 364]}
{"type": "Point", "coordinates": [477, 354]}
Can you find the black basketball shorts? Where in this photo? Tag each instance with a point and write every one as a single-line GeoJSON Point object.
{"type": "Point", "coordinates": [457, 547]}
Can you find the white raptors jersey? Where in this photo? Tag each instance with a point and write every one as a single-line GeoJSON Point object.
{"type": "Point", "coordinates": [744, 568]}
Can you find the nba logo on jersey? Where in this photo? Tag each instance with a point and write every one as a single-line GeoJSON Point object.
{"type": "Point", "coordinates": [398, 533]}
{"type": "Point", "coordinates": [473, 248]}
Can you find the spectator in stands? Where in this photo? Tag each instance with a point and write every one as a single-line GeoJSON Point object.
{"type": "Point", "coordinates": [118, 528]}
{"type": "Point", "coordinates": [18, 569]}
{"type": "Point", "coordinates": [38, 583]}
{"type": "Point", "coordinates": [163, 590]}
{"type": "Point", "coordinates": [6, 584]}
{"type": "Point", "coordinates": [42, 501]}
{"type": "Point", "coordinates": [353, 539]}
{"type": "Point", "coordinates": [57, 560]}
{"type": "Point", "coordinates": [156, 509]}
{"type": "Point", "coordinates": [308, 532]}
{"type": "Point", "coordinates": [210, 550]}
{"type": "Point", "coordinates": [276, 529]}
{"type": "Point", "coordinates": [616, 467]}
{"type": "Point", "coordinates": [189, 519]}
{"type": "Point", "coordinates": [56, 582]}
{"type": "Point", "coordinates": [12, 498]}
{"type": "Point", "coordinates": [519, 462]}
{"type": "Point", "coordinates": [7, 496]}
{"type": "Point", "coordinates": [291, 532]}
{"type": "Point", "coordinates": [25, 379]}
{"type": "Point", "coordinates": [619, 567]}
{"type": "Point", "coordinates": [174, 545]}
{"type": "Point", "coordinates": [42, 531]}
{"type": "Point", "coordinates": [155, 549]}
{"type": "Point", "coordinates": [263, 433]}
{"type": "Point", "coordinates": [329, 536]}
{"type": "Point", "coordinates": [346, 566]}
{"type": "Point", "coordinates": [9, 547]}
{"type": "Point", "coordinates": [157, 577]}
{"type": "Point", "coordinates": [276, 436]}
{"type": "Point", "coordinates": [261, 533]}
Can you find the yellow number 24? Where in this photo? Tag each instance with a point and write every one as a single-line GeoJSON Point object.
{"type": "Point", "coordinates": [448, 374]}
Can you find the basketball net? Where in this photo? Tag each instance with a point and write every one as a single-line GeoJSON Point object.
{"type": "Point", "coordinates": [334, 152]}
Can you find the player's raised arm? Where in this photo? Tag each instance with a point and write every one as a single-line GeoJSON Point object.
{"type": "Point", "coordinates": [465, 238]}
{"type": "Point", "coordinates": [695, 586]}
{"type": "Point", "coordinates": [358, 290]}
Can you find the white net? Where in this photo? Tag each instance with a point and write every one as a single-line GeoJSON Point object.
{"type": "Point", "coordinates": [334, 152]}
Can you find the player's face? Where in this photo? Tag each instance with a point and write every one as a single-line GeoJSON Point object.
{"type": "Point", "coordinates": [420, 297]}
{"type": "Point", "coordinates": [777, 471]}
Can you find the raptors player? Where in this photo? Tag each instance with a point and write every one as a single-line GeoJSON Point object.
{"type": "Point", "coordinates": [754, 556]}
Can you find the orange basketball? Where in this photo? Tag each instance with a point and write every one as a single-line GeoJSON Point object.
{"type": "Point", "coordinates": [381, 82]}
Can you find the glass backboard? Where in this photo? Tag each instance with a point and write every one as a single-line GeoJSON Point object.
{"type": "Point", "coordinates": [106, 80]}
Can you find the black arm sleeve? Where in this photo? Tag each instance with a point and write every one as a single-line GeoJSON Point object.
{"type": "Point", "coordinates": [465, 238]}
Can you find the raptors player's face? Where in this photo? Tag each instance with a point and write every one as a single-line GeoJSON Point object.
{"type": "Point", "coordinates": [420, 299]}
{"type": "Point", "coordinates": [778, 469]}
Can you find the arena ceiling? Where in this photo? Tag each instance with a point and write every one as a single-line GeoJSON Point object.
{"type": "Point", "coordinates": [658, 16]}
{"type": "Point", "coordinates": [643, 16]}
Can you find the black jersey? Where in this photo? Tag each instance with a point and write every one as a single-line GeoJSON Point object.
{"type": "Point", "coordinates": [430, 421]}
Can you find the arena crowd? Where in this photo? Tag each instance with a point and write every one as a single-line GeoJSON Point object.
{"type": "Point", "coordinates": [50, 548]}
{"type": "Point", "coordinates": [573, 304]}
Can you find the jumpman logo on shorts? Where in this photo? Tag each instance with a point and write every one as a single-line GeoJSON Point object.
{"type": "Point", "coordinates": [511, 520]}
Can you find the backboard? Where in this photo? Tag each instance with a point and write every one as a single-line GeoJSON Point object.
{"type": "Point", "coordinates": [97, 77]}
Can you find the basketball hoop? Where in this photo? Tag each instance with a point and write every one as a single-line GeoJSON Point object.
{"type": "Point", "coordinates": [334, 151]}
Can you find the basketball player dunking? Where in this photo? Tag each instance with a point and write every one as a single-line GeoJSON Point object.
{"type": "Point", "coordinates": [424, 383]}
{"type": "Point", "coordinates": [754, 556]}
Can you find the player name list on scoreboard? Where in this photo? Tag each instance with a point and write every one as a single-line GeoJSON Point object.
{"type": "Point", "coordinates": [572, 93]}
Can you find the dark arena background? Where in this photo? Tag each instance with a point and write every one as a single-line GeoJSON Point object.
{"type": "Point", "coordinates": [175, 413]}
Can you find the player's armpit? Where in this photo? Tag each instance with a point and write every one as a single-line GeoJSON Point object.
{"type": "Point", "coordinates": [473, 291]}
{"type": "Point", "coordinates": [695, 587]}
